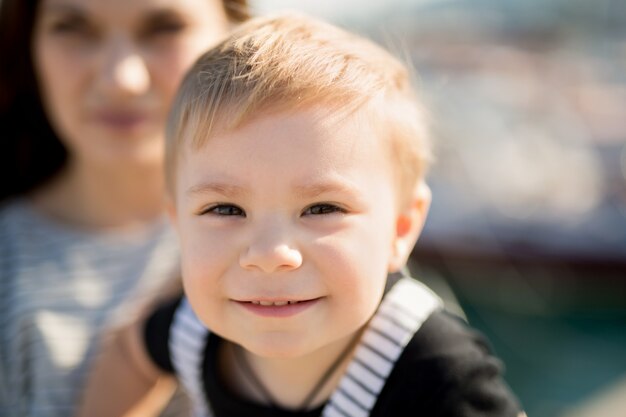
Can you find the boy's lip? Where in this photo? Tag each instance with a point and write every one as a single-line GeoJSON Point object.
{"type": "Point", "coordinates": [277, 307]}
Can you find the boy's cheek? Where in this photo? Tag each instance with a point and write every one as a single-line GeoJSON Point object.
{"type": "Point", "coordinates": [197, 249]}
{"type": "Point", "coordinates": [206, 248]}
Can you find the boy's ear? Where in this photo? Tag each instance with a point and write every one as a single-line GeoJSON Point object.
{"type": "Point", "coordinates": [409, 225]}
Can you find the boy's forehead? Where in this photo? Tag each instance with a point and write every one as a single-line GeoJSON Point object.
{"type": "Point", "coordinates": [330, 138]}
{"type": "Point", "coordinates": [309, 150]}
{"type": "Point", "coordinates": [318, 119]}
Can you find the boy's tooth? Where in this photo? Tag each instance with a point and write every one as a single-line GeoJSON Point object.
{"type": "Point", "coordinates": [274, 303]}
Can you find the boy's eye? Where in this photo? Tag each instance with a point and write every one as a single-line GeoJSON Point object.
{"type": "Point", "coordinates": [323, 208]}
{"type": "Point", "coordinates": [224, 210]}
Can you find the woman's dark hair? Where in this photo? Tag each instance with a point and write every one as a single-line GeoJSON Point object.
{"type": "Point", "coordinates": [30, 151]}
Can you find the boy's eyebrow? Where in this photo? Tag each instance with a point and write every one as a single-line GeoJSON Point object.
{"type": "Point", "coordinates": [305, 190]}
{"type": "Point", "coordinates": [227, 190]}
{"type": "Point", "coordinates": [314, 190]}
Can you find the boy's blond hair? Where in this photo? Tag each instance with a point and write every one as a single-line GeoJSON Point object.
{"type": "Point", "coordinates": [287, 63]}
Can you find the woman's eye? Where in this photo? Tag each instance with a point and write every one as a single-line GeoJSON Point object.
{"type": "Point", "coordinates": [224, 210]}
{"type": "Point", "coordinates": [73, 26]}
{"type": "Point", "coordinates": [163, 27]}
{"type": "Point", "coordinates": [318, 209]}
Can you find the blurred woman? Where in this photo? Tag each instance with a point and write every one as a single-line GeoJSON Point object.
{"type": "Point", "coordinates": [85, 87]}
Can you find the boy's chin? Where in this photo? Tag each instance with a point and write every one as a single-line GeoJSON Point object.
{"type": "Point", "coordinates": [278, 350]}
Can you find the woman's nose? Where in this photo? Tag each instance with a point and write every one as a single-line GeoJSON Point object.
{"type": "Point", "coordinates": [123, 70]}
{"type": "Point", "coordinates": [271, 250]}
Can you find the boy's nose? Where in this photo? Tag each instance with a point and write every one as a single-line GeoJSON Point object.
{"type": "Point", "coordinates": [270, 252]}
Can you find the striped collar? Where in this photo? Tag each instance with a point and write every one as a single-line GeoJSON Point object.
{"type": "Point", "coordinates": [400, 315]}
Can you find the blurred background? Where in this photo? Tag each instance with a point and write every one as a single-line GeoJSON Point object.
{"type": "Point", "coordinates": [527, 232]}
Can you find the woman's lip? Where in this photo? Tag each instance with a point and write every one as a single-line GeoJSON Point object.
{"type": "Point", "coordinates": [120, 119]}
{"type": "Point", "coordinates": [273, 310]}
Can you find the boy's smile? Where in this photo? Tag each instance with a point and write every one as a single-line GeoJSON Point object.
{"type": "Point", "coordinates": [278, 308]}
{"type": "Point", "coordinates": [290, 207]}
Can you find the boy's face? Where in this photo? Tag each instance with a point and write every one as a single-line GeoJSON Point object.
{"type": "Point", "coordinates": [293, 210]}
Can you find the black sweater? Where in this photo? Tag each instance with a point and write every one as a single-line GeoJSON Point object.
{"type": "Point", "coordinates": [447, 369]}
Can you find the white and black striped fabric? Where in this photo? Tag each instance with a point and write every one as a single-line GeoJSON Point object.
{"type": "Point", "coordinates": [403, 310]}
{"type": "Point", "coordinates": [59, 287]}
{"type": "Point", "coordinates": [187, 342]}
{"type": "Point", "coordinates": [401, 313]}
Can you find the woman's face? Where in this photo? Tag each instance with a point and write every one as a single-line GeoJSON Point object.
{"type": "Point", "coordinates": [108, 70]}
